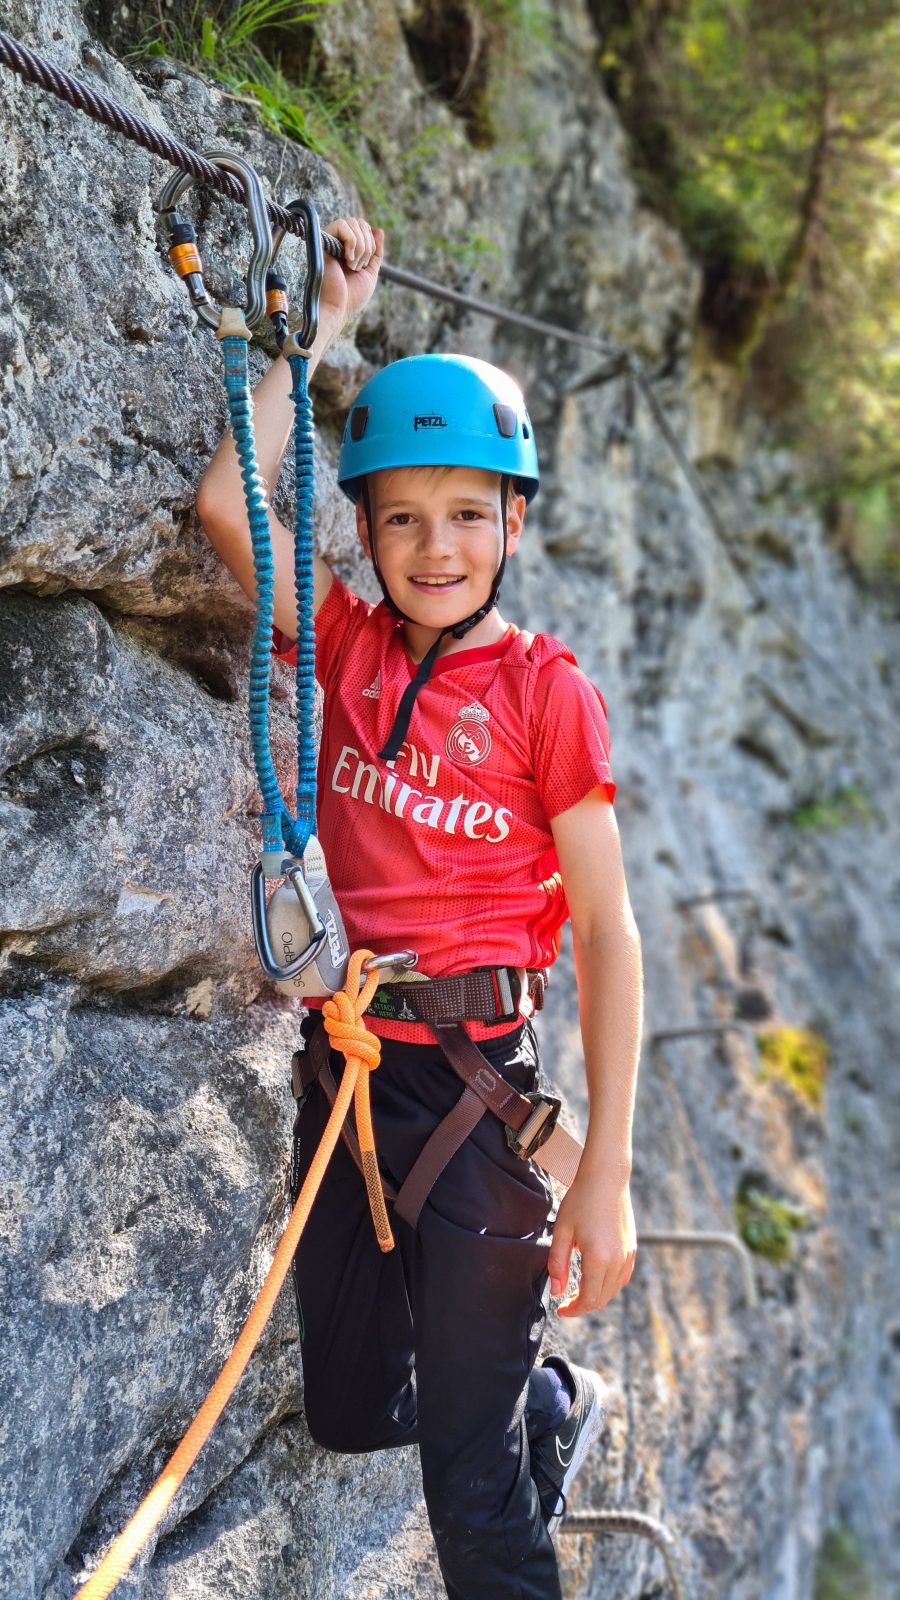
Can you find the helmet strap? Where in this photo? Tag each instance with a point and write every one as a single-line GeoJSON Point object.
{"type": "Point", "coordinates": [458, 629]}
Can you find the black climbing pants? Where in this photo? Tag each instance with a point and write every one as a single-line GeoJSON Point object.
{"type": "Point", "coordinates": [434, 1343]}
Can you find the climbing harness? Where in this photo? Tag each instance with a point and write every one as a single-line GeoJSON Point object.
{"type": "Point", "coordinates": [531, 1120]}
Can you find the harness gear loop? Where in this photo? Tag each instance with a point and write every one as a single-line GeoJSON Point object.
{"type": "Point", "coordinates": [153, 1507]}
{"type": "Point", "coordinates": [185, 256]}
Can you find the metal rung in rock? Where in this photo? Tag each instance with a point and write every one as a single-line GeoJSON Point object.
{"type": "Point", "coordinates": [637, 1522]}
{"type": "Point", "coordinates": [708, 1240]}
{"type": "Point", "coordinates": [697, 1030]}
{"type": "Point", "coordinates": [705, 897]}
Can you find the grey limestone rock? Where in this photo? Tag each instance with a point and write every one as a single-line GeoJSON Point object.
{"type": "Point", "coordinates": [146, 1086]}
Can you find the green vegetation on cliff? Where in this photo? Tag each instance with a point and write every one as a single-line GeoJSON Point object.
{"type": "Point", "coordinates": [768, 134]}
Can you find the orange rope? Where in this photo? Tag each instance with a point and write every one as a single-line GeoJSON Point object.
{"type": "Point", "coordinates": [362, 1049]}
{"type": "Point", "coordinates": [343, 1028]}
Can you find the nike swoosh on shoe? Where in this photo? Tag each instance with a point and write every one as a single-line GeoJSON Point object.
{"type": "Point", "coordinates": [585, 1435]}
{"type": "Point", "coordinates": [565, 1448]}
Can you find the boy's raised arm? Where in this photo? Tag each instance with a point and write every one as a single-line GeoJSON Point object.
{"type": "Point", "coordinates": [220, 496]}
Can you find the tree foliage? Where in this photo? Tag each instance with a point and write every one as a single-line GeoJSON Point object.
{"type": "Point", "coordinates": [769, 133]}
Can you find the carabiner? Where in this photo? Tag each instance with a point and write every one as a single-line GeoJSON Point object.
{"type": "Point", "coordinates": [318, 933]}
{"type": "Point", "coordinates": [183, 251]}
{"type": "Point", "coordinates": [301, 341]}
{"type": "Point", "coordinates": [402, 960]}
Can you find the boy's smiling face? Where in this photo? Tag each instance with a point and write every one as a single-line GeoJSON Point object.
{"type": "Point", "coordinates": [438, 533]}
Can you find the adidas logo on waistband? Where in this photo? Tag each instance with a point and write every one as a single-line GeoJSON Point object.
{"type": "Point", "coordinates": [374, 690]}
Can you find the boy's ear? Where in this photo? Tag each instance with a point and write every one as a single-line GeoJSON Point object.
{"type": "Point", "coordinates": [362, 528]}
{"type": "Point", "coordinates": [515, 517]}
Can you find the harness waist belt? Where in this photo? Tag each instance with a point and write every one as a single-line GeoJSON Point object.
{"type": "Point", "coordinates": [487, 994]}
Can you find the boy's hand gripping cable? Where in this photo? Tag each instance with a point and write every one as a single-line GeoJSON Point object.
{"type": "Point", "coordinates": [344, 1013]}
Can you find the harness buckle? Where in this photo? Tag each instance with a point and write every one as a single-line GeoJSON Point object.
{"type": "Point", "coordinates": [537, 1128]}
{"type": "Point", "coordinates": [538, 983]}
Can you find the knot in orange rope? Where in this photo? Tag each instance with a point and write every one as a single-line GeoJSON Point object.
{"type": "Point", "coordinates": [347, 1030]}
{"type": "Point", "coordinates": [342, 1015]}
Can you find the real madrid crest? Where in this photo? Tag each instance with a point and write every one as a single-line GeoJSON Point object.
{"type": "Point", "coordinates": [469, 741]}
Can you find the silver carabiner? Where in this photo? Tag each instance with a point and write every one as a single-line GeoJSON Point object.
{"type": "Point", "coordinates": [403, 960]}
{"type": "Point", "coordinates": [183, 248]}
{"type": "Point", "coordinates": [285, 972]}
{"type": "Point", "coordinates": [301, 341]}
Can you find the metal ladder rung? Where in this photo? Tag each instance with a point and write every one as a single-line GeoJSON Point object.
{"type": "Point", "coordinates": [710, 1240]}
{"type": "Point", "coordinates": [635, 1522]}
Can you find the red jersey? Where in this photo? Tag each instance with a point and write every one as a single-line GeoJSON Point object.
{"type": "Point", "coordinates": [448, 850]}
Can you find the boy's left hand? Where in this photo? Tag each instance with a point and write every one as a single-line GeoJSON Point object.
{"type": "Point", "coordinates": [596, 1218]}
{"type": "Point", "coordinates": [348, 284]}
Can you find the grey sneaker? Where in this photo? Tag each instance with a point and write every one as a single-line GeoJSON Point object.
{"type": "Point", "coordinates": [557, 1454]}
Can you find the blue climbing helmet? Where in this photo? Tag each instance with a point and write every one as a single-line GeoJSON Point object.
{"type": "Point", "coordinates": [437, 411]}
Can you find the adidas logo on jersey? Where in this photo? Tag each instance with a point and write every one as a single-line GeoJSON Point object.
{"type": "Point", "coordinates": [374, 690]}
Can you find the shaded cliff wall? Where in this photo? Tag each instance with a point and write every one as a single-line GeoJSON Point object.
{"type": "Point", "coordinates": [146, 1082]}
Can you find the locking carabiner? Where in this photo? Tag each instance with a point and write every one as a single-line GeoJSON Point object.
{"type": "Point", "coordinates": [315, 927]}
{"type": "Point", "coordinates": [185, 256]}
{"type": "Point", "coordinates": [301, 341]}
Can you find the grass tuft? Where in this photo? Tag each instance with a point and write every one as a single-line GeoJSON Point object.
{"type": "Point", "coordinates": [767, 1224]}
{"type": "Point", "coordinates": [321, 112]}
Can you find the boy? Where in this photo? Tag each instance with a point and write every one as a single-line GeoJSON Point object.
{"type": "Point", "coordinates": [465, 810]}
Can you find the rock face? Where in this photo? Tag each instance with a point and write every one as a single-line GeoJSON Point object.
{"type": "Point", "coordinates": [147, 1107]}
